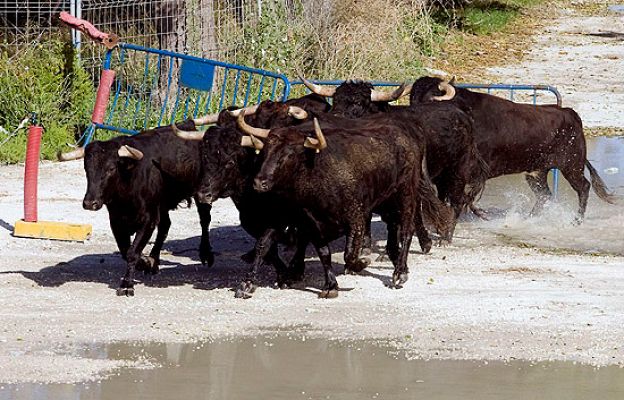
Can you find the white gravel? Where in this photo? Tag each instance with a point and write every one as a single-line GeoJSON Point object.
{"type": "Point", "coordinates": [510, 288]}
{"type": "Point", "coordinates": [570, 54]}
{"type": "Point", "coordinates": [490, 295]}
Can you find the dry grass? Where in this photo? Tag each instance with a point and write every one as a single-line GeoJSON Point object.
{"type": "Point", "coordinates": [468, 55]}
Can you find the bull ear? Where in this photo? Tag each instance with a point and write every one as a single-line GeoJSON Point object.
{"type": "Point", "coordinates": [130, 152]}
{"type": "Point", "coordinates": [452, 81]}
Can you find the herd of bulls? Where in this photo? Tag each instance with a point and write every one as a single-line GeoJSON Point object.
{"type": "Point", "coordinates": [307, 171]}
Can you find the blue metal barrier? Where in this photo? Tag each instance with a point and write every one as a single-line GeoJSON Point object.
{"type": "Point", "coordinates": [534, 92]}
{"type": "Point", "coordinates": [157, 87]}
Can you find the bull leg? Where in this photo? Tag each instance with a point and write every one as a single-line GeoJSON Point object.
{"type": "Point", "coordinates": [353, 262]}
{"type": "Point", "coordinates": [206, 255]}
{"type": "Point", "coordinates": [122, 236]}
{"type": "Point", "coordinates": [151, 263]}
{"type": "Point", "coordinates": [330, 289]}
{"type": "Point", "coordinates": [581, 186]}
{"type": "Point", "coordinates": [126, 288]}
{"type": "Point", "coordinates": [410, 215]}
{"type": "Point", "coordinates": [262, 248]}
{"type": "Point", "coordinates": [424, 240]}
{"type": "Point", "coordinates": [392, 245]}
{"type": "Point", "coordinates": [296, 268]}
{"type": "Point", "coordinates": [367, 242]}
{"type": "Point", "coordinates": [538, 182]}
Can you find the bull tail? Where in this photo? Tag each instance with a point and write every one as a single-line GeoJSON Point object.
{"type": "Point", "coordinates": [600, 188]}
{"type": "Point", "coordinates": [435, 212]}
{"type": "Point", "coordinates": [480, 174]}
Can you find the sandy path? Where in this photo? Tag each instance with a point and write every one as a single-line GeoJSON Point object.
{"type": "Point", "coordinates": [583, 56]}
{"type": "Point", "coordinates": [510, 288]}
{"type": "Point", "coordinates": [484, 297]}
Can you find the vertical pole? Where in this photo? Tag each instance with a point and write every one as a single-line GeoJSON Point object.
{"type": "Point", "coordinates": [75, 9]}
{"type": "Point", "coordinates": [31, 171]}
{"type": "Point", "coordinates": [259, 2]}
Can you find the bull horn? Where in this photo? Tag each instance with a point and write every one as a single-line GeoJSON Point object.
{"type": "Point", "coordinates": [378, 95]}
{"type": "Point", "coordinates": [130, 152]}
{"type": "Point", "coordinates": [187, 135]}
{"type": "Point", "coordinates": [206, 119]}
{"type": "Point", "coordinates": [297, 112]}
{"type": "Point", "coordinates": [247, 110]}
{"type": "Point", "coordinates": [252, 141]}
{"type": "Point", "coordinates": [318, 89]}
{"type": "Point", "coordinates": [449, 92]}
{"type": "Point", "coordinates": [248, 129]}
{"type": "Point", "coordinates": [318, 143]}
{"type": "Point", "coordinates": [71, 155]}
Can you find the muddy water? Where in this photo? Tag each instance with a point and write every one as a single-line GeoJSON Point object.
{"type": "Point", "coordinates": [285, 368]}
{"type": "Point", "coordinates": [509, 200]}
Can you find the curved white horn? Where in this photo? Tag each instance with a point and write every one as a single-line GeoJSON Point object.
{"type": "Point", "coordinates": [248, 129]}
{"type": "Point", "coordinates": [318, 89]}
{"type": "Point", "coordinates": [247, 110]}
{"type": "Point", "coordinates": [319, 143]}
{"type": "Point", "coordinates": [297, 112]}
{"type": "Point", "coordinates": [187, 135]}
{"type": "Point", "coordinates": [206, 119]}
{"type": "Point", "coordinates": [71, 155]}
{"type": "Point", "coordinates": [449, 92]}
{"type": "Point", "coordinates": [378, 95]}
{"type": "Point", "coordinates": [130, 152]}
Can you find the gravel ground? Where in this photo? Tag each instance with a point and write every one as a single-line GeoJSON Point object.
{"type": "Point", "coordinates": [583, 57]}
{"type": "Point", "coordinates": [509, 288]}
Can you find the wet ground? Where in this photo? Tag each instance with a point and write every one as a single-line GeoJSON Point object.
{"type": "Point", "coordinates": [287, 368]}
{"type": "Point", "coordinates": [509, 201]}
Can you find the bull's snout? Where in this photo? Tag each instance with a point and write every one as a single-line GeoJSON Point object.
{"type": "Point", "coordinates": [91, 205]}
{"type": "Point", "coordinates": [261, 184]}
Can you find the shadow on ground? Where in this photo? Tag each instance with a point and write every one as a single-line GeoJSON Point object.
{"type": "Point", "coordinates": [229, 243]}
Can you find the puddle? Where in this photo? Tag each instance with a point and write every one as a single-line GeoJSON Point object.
{"type": "Point", "coordinates": [288, 368]}
{"type": "Point", "coordinates": [618, 8]}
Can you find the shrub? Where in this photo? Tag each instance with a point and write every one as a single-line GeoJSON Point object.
{"type": "Point", "coordinates": [49, 80]}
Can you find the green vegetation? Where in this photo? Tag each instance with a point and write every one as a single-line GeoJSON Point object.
{"type": "Point", "coordinates": [365, 39]}
{"type": "Point", "coordinates": [46, 79]}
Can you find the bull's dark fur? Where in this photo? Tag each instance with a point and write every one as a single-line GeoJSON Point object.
{"type": "Point", "coordinates": [139, 194]}
{"type": "Point", "coordinates": [454, 163]}
{"type": "Point", "coordinates": [514, 138]}
{"type": "Point", "coordinates": [361, 171]}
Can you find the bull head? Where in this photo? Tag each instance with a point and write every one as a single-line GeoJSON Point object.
{"type": "Point", "coordinates": [248, 129]}
{"type": "Point", "coordinates": [187, 135]}
{"type": "Point", "coordinates": [130, 152]}
{"type": "Point", "coordinates": [71, 155]}
{"type": "Point", "coordinates": [318, 143]}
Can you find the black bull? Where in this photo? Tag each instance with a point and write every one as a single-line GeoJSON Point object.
{"type": "Point", "coordinates": [514, 138]}
{"type": "Point", "coordinates": [360, 171]}
{"type": "Point", "coordinates": [140, 179]}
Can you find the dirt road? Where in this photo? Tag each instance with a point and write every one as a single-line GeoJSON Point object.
{"type": "Point", "coordinates": [510, 288]}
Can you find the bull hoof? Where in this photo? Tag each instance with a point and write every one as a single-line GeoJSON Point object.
{"type": "Point", "coordinates": [357, 266]}
{"type": "Point", "coordinates": [426, 247]}
{"type": "Point", "coordinates": [399, 279]}
{"type": "Point", "coordinates": [128, 292]}
{"type": "Point", "coordinates": [249, 257]}
{"type": "Point", "coordinates": [328, 294]}
{"type": "Point", "coordinates": [206, 257]}
{"type": "Point", "coordinates": [150, 265]}
{"type": "Point", "coordinates": [245, 290]}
